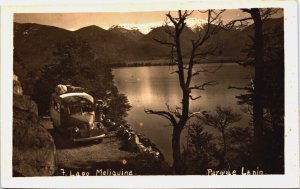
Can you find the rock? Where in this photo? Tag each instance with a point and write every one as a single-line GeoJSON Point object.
{"type": "Point", "coordinates": [137, 143]}
{"type": "Point", "coordinates": [33, 146]}
{"type": "Point", "coordinates": [24, 102]}
{"type": "Point", "coordinates": [33, 149]}
{"type": "Point", "coordinates": [20, 101]}
{"type": "Point", "coordinates": [17, 88]}
{"type": "Point", "coordinates": [129, 139]}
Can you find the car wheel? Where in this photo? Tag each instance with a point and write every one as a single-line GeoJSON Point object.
{"type": "Point", "coordinates": [71, 138]}
{"type": "Point", "coordinates": [99, 140]}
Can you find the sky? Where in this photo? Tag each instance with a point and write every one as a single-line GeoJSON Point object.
{"type": "Point", "coordinates": [144, 21]}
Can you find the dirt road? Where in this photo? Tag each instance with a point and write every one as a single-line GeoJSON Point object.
{"type": "Point", "coordinates": [87, 156]}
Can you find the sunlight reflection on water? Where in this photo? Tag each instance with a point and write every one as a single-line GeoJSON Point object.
{"type": "Point", "coordinates": [153, 87]}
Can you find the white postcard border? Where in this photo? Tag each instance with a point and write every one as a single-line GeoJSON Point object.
{"type": "Point", "coordinates": [291, 177]}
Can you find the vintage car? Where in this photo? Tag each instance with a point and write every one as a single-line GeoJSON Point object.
{"type": "Point", "coordinates": [73, 113]}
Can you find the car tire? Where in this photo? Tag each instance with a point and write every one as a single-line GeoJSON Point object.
{"type": "Point", "coordinates": [99, 140]}
{"type": "Point", "coordinates": [71, 138]}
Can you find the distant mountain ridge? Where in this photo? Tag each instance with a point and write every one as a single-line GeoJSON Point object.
{"type": "Point", "coordinates": [133, 34]}
{"type": "Point", "coordinates": [34, 44]}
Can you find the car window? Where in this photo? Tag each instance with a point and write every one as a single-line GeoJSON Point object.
{"type": "Point", "coordinates": [87, 108]}
{"type": "Point", "coordinates": [75, 108]}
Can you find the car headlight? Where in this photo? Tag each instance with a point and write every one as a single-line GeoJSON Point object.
{"type": "Point", "coordinates": [76, 129]}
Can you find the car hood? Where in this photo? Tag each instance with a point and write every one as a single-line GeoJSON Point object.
{"type": "Point", "coordinates": [87, 117]}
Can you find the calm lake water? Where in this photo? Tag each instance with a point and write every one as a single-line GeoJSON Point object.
{"type": "Point", "coordinates": [153, 87]}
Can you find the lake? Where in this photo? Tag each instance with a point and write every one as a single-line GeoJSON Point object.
{"type": "Point", "coordinates": [152, 87]}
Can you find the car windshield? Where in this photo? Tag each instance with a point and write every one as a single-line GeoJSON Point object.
{"type": "Point", "coordinates": [81, 107]}
{"type": "Point", "coordinates": [87, 108]}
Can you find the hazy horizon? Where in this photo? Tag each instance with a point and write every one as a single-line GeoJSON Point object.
{"type": "Point", "coordinates": [144, 21]}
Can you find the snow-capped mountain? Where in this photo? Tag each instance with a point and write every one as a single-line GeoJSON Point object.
{"type": "Point", "coordinates": [195, 23]}
{"type": "Point", "coordinates": [145, 28]}
{"type": "Point", "coordinates": [132, 33]}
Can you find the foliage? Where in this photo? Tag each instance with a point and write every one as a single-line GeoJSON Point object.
{"type": "Point", "coordinates": [74, 63]}
{"type": "Point", "coordinates": [240, 147]}
{"type": "Point", "coordinates": [200, 152]}
{"type": "Point", "coordinates": [206, 150]}
{"type": "Point", "coordinates": [221, 120]}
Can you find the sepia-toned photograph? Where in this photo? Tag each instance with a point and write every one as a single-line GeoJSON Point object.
{"type": "Point", "coordinates": [184, 91]}
{"type": "Point", "coordinates": [187, 92]}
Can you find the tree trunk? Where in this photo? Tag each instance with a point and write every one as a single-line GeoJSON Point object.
{"type": "Point", "coordinates": [177, 163]}
{"type": "Point", "coordinates": [223, 156]}
{"type": "Point", "coordinates": [258, 87]}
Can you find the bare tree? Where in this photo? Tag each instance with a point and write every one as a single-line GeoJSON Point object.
{"type": "Point", "coordinates": [179, 116]}
{"type": "Point", "coordinates": [223, 118]}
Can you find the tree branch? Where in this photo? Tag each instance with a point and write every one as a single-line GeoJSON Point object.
{"type": "Point", "coordinates": [174, 72]}
{"type": "Point", "coordinates": [239, 88]}
{"type": "Point", "coordinates": [165, 114]}
{"type": "Point", "coordinates": [164, 42]}
{"type": "Point", "coordinates": [169, 30]}
{"type": "Point", "coordinates": [201, 87]}
{"type": "Point", "coordinates": [171, 19]}
{"type": "Point", "coordinates": [231, 24]}
{"type": "Point", "coordinates": [212, 16]}
{"type": "Point", "coordinates": [191, 115]}
{"type": "Point", "coordinates": [264, 13]}
{"type": "Point", "coordinates": [207, 71]}
{"type": "Point", "coordinates": [175, 112]}
{"type": "Point", "coordinates": [192, 98]}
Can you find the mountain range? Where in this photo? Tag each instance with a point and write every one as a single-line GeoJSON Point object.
{"type": "Point", "coordinates": [34, 44]}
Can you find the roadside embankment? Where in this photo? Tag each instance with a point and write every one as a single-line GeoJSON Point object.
{"type": "Point", "coordinates": [33, 147]}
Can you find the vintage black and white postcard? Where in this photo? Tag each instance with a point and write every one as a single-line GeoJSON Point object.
{"type": "Point", "coordinates": [94, 95]}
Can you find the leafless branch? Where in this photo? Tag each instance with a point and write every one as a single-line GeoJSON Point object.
{"type": "Point", "coordinates": [202, 86]}
{"type": "Point", "coordinates": [174, 72]}
{"type": "Point", "coordinates": [246, 10]}
{"type": "Point", "coordinates": [192, 98]}
{"type": "Point", "coordinates": [264, 13]}
{"type": "Point", "coordinates": [239, 88]}
{"type": "Point", "coordinates": [164, 42]}
{"type": "Point", "coordinates": [178, 22]}
{"type": "Point", "coordinates": [165, 114]}
{"type": "Point", "coordinates": [206, 11]}
{"type": "Point", "coordinates": [174, 112]}
{"type": "Point", "coordinates": [169, 16]}
{"type": "Point", "coordinates": [212, 16]}
{"type": "Point", "coordinates": [207, 71]}
{"type": "Point", "coordinates": [231, 24]}
{"type": "Point", "coordinates": [191, 115]}
{"type": "Point", "coordinates": [169, 30]}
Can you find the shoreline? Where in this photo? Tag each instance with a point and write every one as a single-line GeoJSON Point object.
{"type": "Point", "coordinates": [165, 62]}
